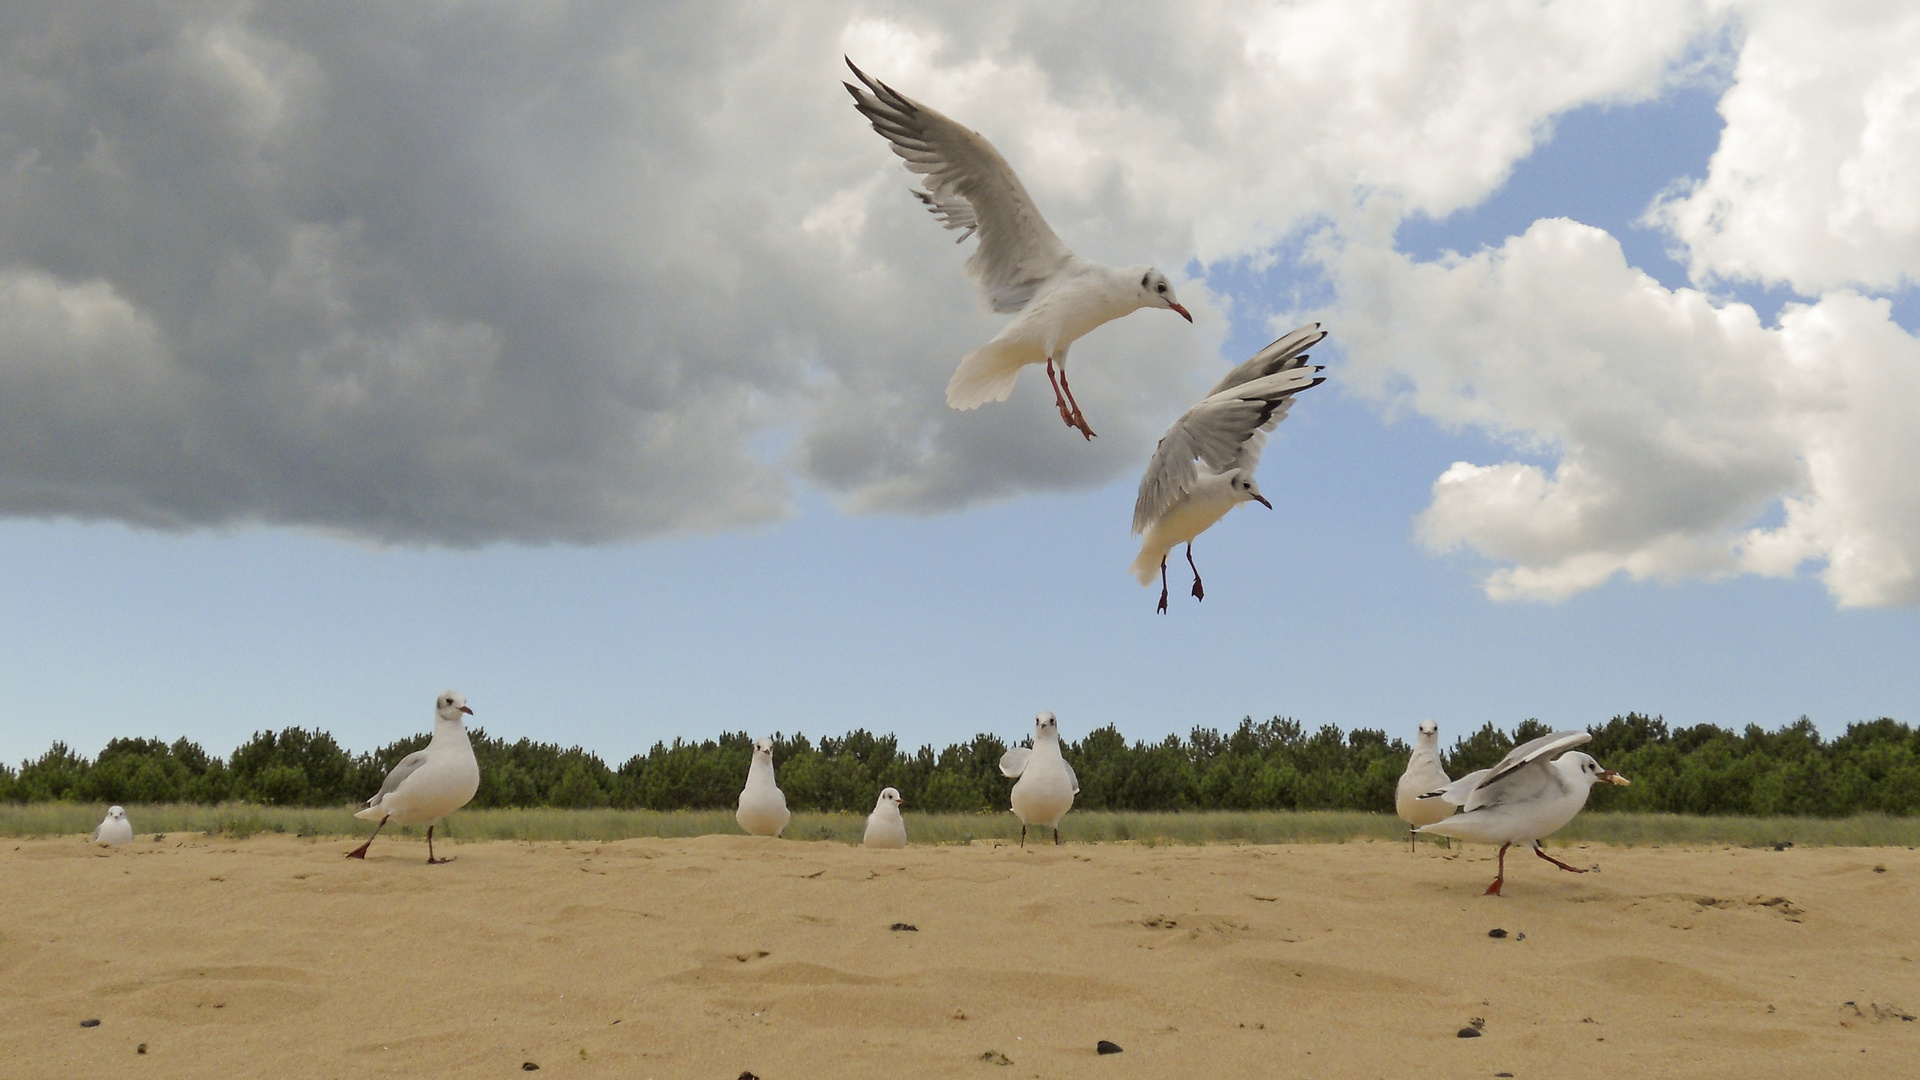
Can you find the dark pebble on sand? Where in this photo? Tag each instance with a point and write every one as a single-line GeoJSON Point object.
{"type": "Point", "coordinates": [1467, 1033]}
{"type": "Point", "coordinates": [748, 1076]}
{"type": "Point", "coordinates": [528, 1066]}
{"type": "Point", "coordinates": [1503, 1074]}
{"type": "Point", "coordinates": [141, 1049]}
{"type": "Point", "coordinates": [1105, 1047]}
{"type": "Point", "coordinates": [1496, 932]}
{"type": "Point", "coordinates": [904, 926]}
{"type": "Point", "coordinates": [89, 1023]}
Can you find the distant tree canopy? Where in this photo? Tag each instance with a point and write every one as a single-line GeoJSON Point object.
{"type": "Point", "coordinates": [1270, 765]}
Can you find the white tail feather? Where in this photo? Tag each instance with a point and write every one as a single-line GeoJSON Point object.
{"type": "Point", "coordinates": [989, 372]}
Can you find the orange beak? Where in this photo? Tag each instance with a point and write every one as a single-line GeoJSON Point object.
{"type": "Point", "coordinates": [1183, 312]}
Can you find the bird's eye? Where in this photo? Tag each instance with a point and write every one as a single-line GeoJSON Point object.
{"type": "Point", "coordinates": [1162, 287]}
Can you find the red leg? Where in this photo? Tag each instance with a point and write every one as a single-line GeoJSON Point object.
{"type": "Point", "coordinates": [1542, 852]}
{"type": "Point", "coordinates": [1494, 889]}
{"type": "Point", "coordinates": [361, 851]}
{"type": "Point", "coordinates": [1162, 609]}
{"type": "Point", "coordinates": [1056, 836]}
{"type": "Point", "coordinates": [1079, 419]}
{"type": "Point", "coordinates": [1198, 592]}
{"type": "Point", "coordinates": [1059, 402]}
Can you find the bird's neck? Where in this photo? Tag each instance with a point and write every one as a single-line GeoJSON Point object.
{"type": "Point", "coordinates": [448, 733]}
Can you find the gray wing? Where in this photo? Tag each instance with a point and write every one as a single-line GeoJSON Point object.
{"type": "Point", "coordinates": [1525, 772]}
{"type": "Point", "coordinates": [1458, 791]}
{"type": "Point", "coordinates": [1071, 777]}
{"type": "Point", "coordinates": [969, 187]}
{"type": "Point", "coordinates": [407, 767]}
{"type": "Point", "coordinates": [1228, 430]}
{"type": "Point", "coordinates": [96, 831]}
{"type": "Point", "coordinates": [1014, 761]}
{"type": "Point", "coordinates": [1284, 353]}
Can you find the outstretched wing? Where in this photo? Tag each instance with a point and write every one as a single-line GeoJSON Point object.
{"type": "Point", "coordinates": [1227, 430]}
{"type": "Point", "coordinates": [1523, 773]}
{"type": "Point", "coordinates": [1014, 761]}
{"type": "Point", "coordinates": [1283, 354]}
{"type": "Point", "coordinates": [407, 767]}
{"type": "Point", "coordinates": [969, 187]}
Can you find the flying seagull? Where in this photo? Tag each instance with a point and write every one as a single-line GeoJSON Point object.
{"type": "Point", "coordinates": [428, 784]}
{"type": "Point", "coordinates": [1525, 797]}
{"type": "Point", "coordinates": [1020, 265]}
{"type": "Point", "coordinates": [1423, 774]}
{"type": "Point", "coordinates": [1204, 464]}
{"type": "Point", "coordinates": [763, 807]}
{"type": "Point", "coordinates": [1046, 786]}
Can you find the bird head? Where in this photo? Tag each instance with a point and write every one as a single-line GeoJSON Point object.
{"type": "Point", "coordinates": [1245, 490]}
{"type": "Point", "coordinates": [451, 706]}
{"type": "Point", "coordinates": [889, 797]}
{"type": "Point", "coordinates": [1045, 724]}
{"type": "Point", "coordinates": [118, 813]}
{"type": "Point", "coordinates": [1593, 771]}
{"type": "Point", "coordinates": [763, 747]}
{"type": "Point", "coordinates": [1159, 292]}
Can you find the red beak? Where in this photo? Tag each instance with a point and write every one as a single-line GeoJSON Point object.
{"type": "Point", "coordinates": [1183, 312]}
{"type": "Point", "coordinates": [466, 710]}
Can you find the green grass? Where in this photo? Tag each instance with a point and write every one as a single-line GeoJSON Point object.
{"type": "Point", "coordinates": [1208, 827]}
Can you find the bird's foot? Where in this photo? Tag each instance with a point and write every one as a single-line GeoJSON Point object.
{"type": "Point", "coordinates": [359, 852]}
{"type": "Point", "coordinates": [437, 862]}
{"type": "Point", "coordinates": [1162, 609]}
{"type": "Point", "coordinates": [1198, 592]}
{"type": "Point", "coordinates": [1569, 869]}
{"type": "Point", "coordinates": [1494, 889]}
{"type": "Point", "coordinates": [1078, 422]}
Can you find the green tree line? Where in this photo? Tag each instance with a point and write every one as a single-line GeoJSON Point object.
{"type": "Point", "coordinates": [1268, 765]}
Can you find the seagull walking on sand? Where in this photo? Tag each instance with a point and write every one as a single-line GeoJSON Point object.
{"type": "Point", "coordinates": [1020, 265]}
{"type": "Point", "coordinates": [114, 828]}
{"type": "Point", "coordinates": [428, 784]}
{"type": "Point", "coordinates": [1525, 797]}
{"type": "Point", "coordinates": [1424, 773]}
{"type": "Point", "coordinates": [1046, 786]}
{"type": "Point", "coordinates": [885, 827]}
{"type": "Point", "coordinates": [1204, 464]}
{"type": "Point", "coordinates": [763, 806]}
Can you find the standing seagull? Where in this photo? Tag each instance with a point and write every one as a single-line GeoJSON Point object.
{"type": "Point", "coordinates": [885, 827]}
{"type": "Point", "coordinates": [1046, 786]}
{"type": "Point", "coordinates": [1423, 774]}
{"type": "Point", "coordinates": [428, 784]}
{"type": "Point", "coordinates": [1523, 798]}
{"type": "Point", "coordinates": [1020, 264]}
{"type": "Point", "coordinates": [1225, 433]}
{"type": "Point", "coordinates": [114, 828]}
{"type": "Point", "coordinates": [763, 807]}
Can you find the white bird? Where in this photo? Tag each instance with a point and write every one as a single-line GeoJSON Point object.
{"type": "Point", "coordinates": [1424, 773]}
{"type": "Point", "coordinates": [885, 827]}
{"type": "Point", "coordinates": [114, 828]}
{"type": "Point", "coordinates": [1523, 798]}
{"type": "Point", "coordinates": [763, 807]}
{"type": "Point", "coordinates": [1046, 786]}
{"type": "Point", "coordinates": [428, 784]}
{"type": "Point", "coordinates": [1020, 265]}
{"type": "Point", "coordinates": [1204, 464]}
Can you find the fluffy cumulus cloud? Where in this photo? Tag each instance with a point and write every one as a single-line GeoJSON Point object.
{"type": "Point", "coordinates": [459, 273]}
{"type": "Point", "coordinates": [1667, 433]}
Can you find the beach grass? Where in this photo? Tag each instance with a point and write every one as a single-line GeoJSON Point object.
{"type": "Point", "coordinates": [239, 820]}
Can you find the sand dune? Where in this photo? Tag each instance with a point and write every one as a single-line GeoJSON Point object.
{"type": "Point", "coordinates": [275, 957]}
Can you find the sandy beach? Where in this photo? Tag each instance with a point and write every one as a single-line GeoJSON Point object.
{"type": "Point", "coordinates": [710, 957]}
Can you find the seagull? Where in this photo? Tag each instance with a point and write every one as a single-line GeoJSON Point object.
{"type": "Point", "coordinates": [1525, 797]}
{"type": "Point", "coordinates": [1204, 464]}
{"type": "Point", "coordinates": [114, 828]}
{"type": "Point", "coordinates": [428, 784]}
{"type": "Point", "coordinates": [885, 827]}
{"type": "Point", "coordinates": [1423, 774]}
{"type": "Point", "coordinates": [1046, 785]}
{"type": "Point", "coordinates": [1020, 265]}
{"type": "Point", "coordinates": [763, 809]}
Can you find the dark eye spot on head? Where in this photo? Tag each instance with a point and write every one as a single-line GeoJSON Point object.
{"type": "Point", "coordinates": [1144, 278]}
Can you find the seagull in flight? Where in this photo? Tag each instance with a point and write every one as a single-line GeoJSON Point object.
{"type": "Point", "coordinates": [1020, 265]}
{"type": "Point", "coordinates": [1204, 464]}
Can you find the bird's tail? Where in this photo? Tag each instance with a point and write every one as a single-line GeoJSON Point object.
{"type": "Point", "coordinates": [988, 373]}
{"type": "Point", "coordinates": [371, 813]}
{"type": "Point", "coordinates": [1146, 566]}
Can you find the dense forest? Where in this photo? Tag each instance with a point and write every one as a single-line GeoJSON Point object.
{"type": "Point", "coordinates": [1275, 764]}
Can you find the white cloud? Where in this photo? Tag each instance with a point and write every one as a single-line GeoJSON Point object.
{"type": "Point", "coordinates": [1813, 184]}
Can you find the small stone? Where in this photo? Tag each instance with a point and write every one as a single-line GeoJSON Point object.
{"type": "Point", "coordinates": [1503, 1074]}
{"type": "Point", "coordinates": [141, 1049]}
{"type": "Point", "coordinates": [995, 1057]}
{"type": "Point", "coordinates": [1467, 1033]}
{"type": "Point", "coordinates": [528, 1066]}
{"type": "Point", "coordinates": [904, 926]}
{"type": "Point", "coordinates": [89, 1023]}
{"type": "Point", "coordinates": [744, 1075]}
{"type": "Point", "coordinates": [1496, 932]}
{"type": "Point", "coordinates": [1105, 1047]}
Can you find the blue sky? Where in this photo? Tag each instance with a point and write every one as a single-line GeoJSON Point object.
{"type": "Point", "coordinates": [938, 621]}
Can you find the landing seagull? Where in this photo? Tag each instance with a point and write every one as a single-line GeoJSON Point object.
{"type": "Point", "coordinates": [1525, 797]}
{"type": "Point", "coordinates": [114, 828]}
{"type": "Point", "coordinates": [1020, 264]}
{"type": "Point", "coordinates": [885, 827]}
{"type": "Point", "coordinates": [1204, 464]}
{"type": "Point", "coordinates": [1424, 773]}
{"type": "Point", "coordinates": [428, 784]}
{"type": "Point", "coordinates": [1046, 786]}
{"type": "Point", "coordinates": [763, 807]}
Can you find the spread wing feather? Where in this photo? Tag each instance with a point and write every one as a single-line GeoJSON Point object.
{"type": "Point", "coordinates": [971, 188]}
